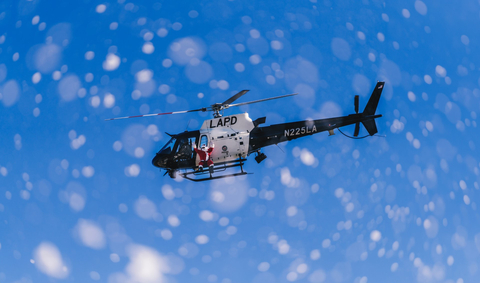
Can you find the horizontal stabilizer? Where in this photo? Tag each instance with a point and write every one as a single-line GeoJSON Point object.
{"type": "Point", "coordinates": [259, 121]}
{"type": "Point", "coordinates": [370, 126]}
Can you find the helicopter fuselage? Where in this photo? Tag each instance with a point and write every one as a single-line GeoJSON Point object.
{"type": "Point", "coordinates": [229, 135]}
{"type": "Point", "coordinates": [236, 136]}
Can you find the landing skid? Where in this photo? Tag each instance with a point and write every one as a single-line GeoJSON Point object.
{"type": "Point", "coordinates": [218, 168]}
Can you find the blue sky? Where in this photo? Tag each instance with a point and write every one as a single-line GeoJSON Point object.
{"type": "Point", "coordinates": [81, 202]}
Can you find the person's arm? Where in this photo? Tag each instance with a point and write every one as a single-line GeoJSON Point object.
{"type": "Point", "coordinates": [211, 147]}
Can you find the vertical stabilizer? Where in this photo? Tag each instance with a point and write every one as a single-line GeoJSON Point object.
{"type": "Point", "coordinates": [374, 98]}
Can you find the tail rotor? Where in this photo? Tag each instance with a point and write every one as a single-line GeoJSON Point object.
{"type": "Point", "coordinates": [357, 125]}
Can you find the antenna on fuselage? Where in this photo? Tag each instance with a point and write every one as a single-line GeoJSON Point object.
{"type": "Point", "coordinates": [186, 129]}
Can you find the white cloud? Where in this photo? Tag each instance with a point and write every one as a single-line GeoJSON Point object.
{"type": "Point", "coordinates": [375, 235]}
{"type": "Point", "coordinates": [90, 234]}
{"type": "Point", "coordinates": [76, 202]}
{"type": "Point", "coordinates": [49, 260]}
{"type": "Point", "coordinates": [146, 264]}
{"type": "Point", "coordinates": [228, 200]}
{"type": "Point", "coordinates": [173, 220]}
{"type": "Point", "coordinates": [109, 100]}
{"type": "Point", "coordinates": [144, 75]}
{"type": "Point", "coordinates": [145, 208]}
{"type": "Point", "coordinates": [88, 171]}
{"type": "Point", "coordinates": [201, 239]}
{"type": "Point", "coordinates": [206, 215]}
{"type": "Point", "coordinates": [132, 170]}
{"type": "Point", "coordinates": [111, 62]}
{"type": "Point", "coordinates": [287, 179]}
{"type": "Point", "coordinates": [101, 8]}
{"type": "Point", "coordinates": [307, 157]}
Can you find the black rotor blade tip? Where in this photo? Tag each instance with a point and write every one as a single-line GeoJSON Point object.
{"type": "Point", "coordinates": [357, 129]}
{"type": "Point", "coordinates": [356, 102]}
{"type": "Point", "coordinates": [235, 97]}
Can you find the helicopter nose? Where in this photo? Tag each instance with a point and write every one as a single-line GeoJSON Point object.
{"type": "Point", "coordinates": [160, 160]}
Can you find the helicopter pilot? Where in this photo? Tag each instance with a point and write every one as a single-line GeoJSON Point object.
{"type": "Point", "coordinates": [204, 154]}
{"type": "Point", "coordinates": [185, 150]}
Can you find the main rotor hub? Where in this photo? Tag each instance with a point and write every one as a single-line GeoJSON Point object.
{"type": "Point", "coordinates": [216, 113]}
{"type": "Point", "coordinates": [216, 108]}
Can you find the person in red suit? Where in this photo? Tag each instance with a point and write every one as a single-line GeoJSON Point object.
{"type": "Point", "coordinates": [204, 155]}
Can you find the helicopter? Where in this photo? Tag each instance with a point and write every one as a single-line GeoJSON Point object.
{"type": "Point", "coordinates": [237, 136]}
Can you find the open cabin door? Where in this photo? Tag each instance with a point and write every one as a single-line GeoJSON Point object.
{"type": "Point", "coordinates": [203, 140]}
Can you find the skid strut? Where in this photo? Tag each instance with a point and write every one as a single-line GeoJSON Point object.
{"type": "Point", "coordinates": [218, 168]}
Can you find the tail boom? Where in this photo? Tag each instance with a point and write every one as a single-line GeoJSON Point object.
{"type": "Point", "coordinates": [274, 134]}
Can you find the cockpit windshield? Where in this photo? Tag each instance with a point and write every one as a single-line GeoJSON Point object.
{"type": "Point", "coordinates": [168, 147]}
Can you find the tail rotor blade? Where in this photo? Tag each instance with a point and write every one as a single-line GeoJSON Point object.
{"type": "Point", "coordinates": [235, 97]}
{"type": "Point", "coordinates": [356, 101]}
{"type": "Point", "coordinates": [357, 129]}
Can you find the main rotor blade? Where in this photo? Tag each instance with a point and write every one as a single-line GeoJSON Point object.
{"type": "Point", "coordinates": [261, 100]}
{"type": "Point", "coordinates": [159, 114]}
{"type": "Point", "coordinates": [235, 97]}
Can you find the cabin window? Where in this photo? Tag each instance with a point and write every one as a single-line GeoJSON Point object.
{"type": "Point", "coordinates": [203, 141]}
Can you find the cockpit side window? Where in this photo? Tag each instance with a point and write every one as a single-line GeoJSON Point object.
{"type": "Point", "coordinates": [181, 144]}
{"type": "Point", "coordinates": [184, 148]}
{"type": "Point", "coordinates": [168, 147]}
